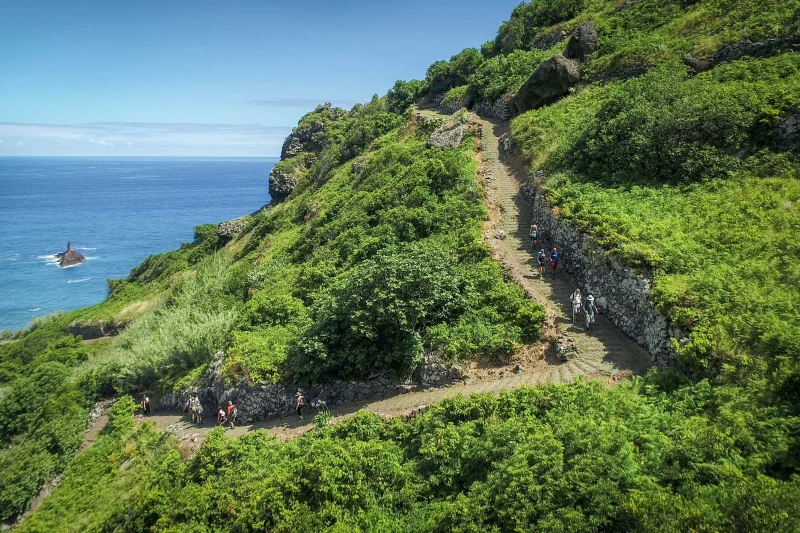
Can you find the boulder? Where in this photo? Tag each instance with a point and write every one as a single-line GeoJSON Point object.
{"type": "Point", "coordinates": [70, 257]}
{"type": "Point", "coordinates": [549, 82]}
{"type": "Point", "coordinates": [549, 40]}
{"type": "Point", "coordinates": [447, 138]}
{"type": "Point", "coordinates": [231, 228]}
{"type": "Point", "coordinates": [583, 41]}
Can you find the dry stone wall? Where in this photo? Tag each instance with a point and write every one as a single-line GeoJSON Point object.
{"type": "Point", "coordinates": [267, 402]}
{"type": "Point", "coordinates": [622, 293]}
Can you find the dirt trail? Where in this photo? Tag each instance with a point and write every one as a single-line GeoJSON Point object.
{"type": "Point", "coordinates": [605, 345]}
{"type": "Point", "coordinates": [605, 352]}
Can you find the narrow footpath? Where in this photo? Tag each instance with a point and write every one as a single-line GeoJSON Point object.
{"type": "Point", "coordinates": [605, 352]}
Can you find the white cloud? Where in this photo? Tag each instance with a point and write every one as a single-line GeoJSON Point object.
{"type": "Point", "coordinates": [145, 138]}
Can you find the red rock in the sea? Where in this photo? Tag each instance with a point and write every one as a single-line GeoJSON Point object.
{"type": "Point", "coordinates": [70, 257]}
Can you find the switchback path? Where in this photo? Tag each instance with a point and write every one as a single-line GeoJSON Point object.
{"type": "Point", "coordinates": [605, 352]}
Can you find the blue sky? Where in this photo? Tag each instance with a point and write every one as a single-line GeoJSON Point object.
{"type": "Point", "coordinates": [211, 78]}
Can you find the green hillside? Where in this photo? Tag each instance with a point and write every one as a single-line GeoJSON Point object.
{"type": "Point", "coordinates": [671, 152]}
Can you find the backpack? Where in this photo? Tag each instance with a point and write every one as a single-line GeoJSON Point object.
{"type": "Point", "coordinates": [533, 233]}
{"type": "Point", "coordinates": [235, 412]}
{"type": "Point", "coordinates": [590, 305]}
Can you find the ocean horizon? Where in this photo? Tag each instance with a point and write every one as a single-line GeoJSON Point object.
{"type": "Point", "coordinates": [116, 210]}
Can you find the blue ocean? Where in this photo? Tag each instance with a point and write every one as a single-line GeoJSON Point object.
{"type": "Point", "coordinates": [115, 211]}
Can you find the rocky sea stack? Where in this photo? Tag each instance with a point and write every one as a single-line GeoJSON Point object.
{"type": "Point", "coordinates": [70, 257]}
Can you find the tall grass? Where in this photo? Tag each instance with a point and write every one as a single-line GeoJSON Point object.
{"type": "Point", "coordinates": [176, 336]}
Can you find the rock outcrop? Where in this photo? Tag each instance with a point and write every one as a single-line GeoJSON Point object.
{"type": "Point", "coordinates": [231, 228]}
{"type": "Point", "coordinates": [747, 48]}
{"type": "Point", "coordinates": [553, 79]}
{"type": "Point", "coordinates": [70, 258]}
{"type": "Point", "coordinates": [447, 138]}
{"type": "Point", "coordinates": [549, 40]}
{"type": "Point", "coordinates": [95, 329]}
{"type": "Point", "coordinates": [583, 41]}
{"type": "Point", "coordinates": [742, 49]}
{"type": "Point", "coordinates": [500, 108]}
{"type": "Point", "coordinates": [550, 82]}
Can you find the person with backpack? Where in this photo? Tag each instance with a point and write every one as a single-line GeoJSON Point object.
{"type": "Point", "coordinates": [198, 411]}
{"type": "Point", "coordinates": [590, 308]}
{"type": "Point", "coordinates": [233, 412]}
{"type": "Point", "coordinates": [542, 260]}
{"type": "Point", "coordinates": [577, 303]}
{"type": "Point", "coordinates": [146, 405]}
{"type": "Point", "coordinates": [299, 403]}
{"type": "Point", "coordinates": [554, 257]}
{"type": "Point", "coordinates": [221, 418]}
{"type": "Point", "coordinates": [534, 234]}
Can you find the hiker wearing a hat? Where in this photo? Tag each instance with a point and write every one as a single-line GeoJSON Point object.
{"type": "Point", "coordinates": [299, 403]}
{"type": "Point", "coordinates": [589, 307]}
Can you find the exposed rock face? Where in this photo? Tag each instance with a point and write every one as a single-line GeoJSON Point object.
{"type": "Point", "coordinates": [787, 133]}
{"type": "Point", "coordinates": [95, 329]}
{"type": "Point", "coordinates": [697, 65]}
{"type": "Point", "coordinates": [453, 105]}
{"type": "Point", "coordinates": [447, 138]}
{"type": "Point", "coordinates": [583, 41]}
{"type": "Point", "coordinates": [549, 82]}
{"type": "Point", "coordinates": [231, 228]}
{"type": "Point", "coordinates": [282, 181]}
{"type": "Point", "coordinates": [500, 108]}
{"type": "Point", "coordinates": [623, 294]}
{"type": "Point", "coordinates": [747, 48]}
{"type": "Point", "coordinates": [266, 402]}
{"type": "Point", "coordinates": [550, 40]}
{"type": "Point", "coordinates": [70, 257]}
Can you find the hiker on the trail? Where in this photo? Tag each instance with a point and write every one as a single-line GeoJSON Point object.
{"type": "Point", "coordinates": [577, 303]}
{"type": "Point", "coordinates": [299, 403]}
{"type": "Point", "coordinates": [145, 405]}
{"type": "Point", "coordinates": [233, 412]}
{"type": "Point", "coordinates": [221, 418]}
{"type": "Point", "coordinates": [198, 411]}
{"type": "Point", "coordinates": [193, 408]}
{"type": "Point", "coordinates": [554, 257]}
{"type": "Point", "coordinates": [534, 233]}
{"type": "Point", "coordinates": [589, 308]}
{"type": "Point", "coordinates": [542, 260]}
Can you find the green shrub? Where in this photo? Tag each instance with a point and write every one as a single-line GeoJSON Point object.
{"type": "Point", "coordinates": [371, 320]}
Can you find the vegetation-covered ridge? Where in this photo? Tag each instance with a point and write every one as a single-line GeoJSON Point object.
{"type": "Point", "coordinates": [373, 257]}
